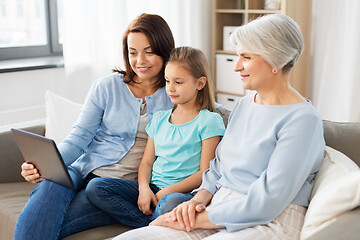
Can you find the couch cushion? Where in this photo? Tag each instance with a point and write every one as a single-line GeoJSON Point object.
{"type": "Point", "coordinates": [61, 115]}
{"type": "Point", "coordinates": [100, 232]}
{"type": "Point", "coordinates": [336, 191]}
{"type": "Point", "coordinates": [335, 165]}
{"type": "Point", "coordinates": [344, 137]}
{"type": "Point", "coordinates": [10, 155]}
{"type": "Point", "coordinates": [341, 228]}
{"type": "Point", "coordinates": [13, 197]}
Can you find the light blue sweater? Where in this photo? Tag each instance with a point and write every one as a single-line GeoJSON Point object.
{"type": "Point", "coordinates": [270, 153]}
{"type": "Point", "coordinates": [106, 128]}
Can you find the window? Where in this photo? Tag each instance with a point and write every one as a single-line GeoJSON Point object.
{"type": "Point", "coordinates": [30, 28]}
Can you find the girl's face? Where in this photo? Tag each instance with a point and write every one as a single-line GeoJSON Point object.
{"type": "Point", "coordinates": [255, 72]}
{"type": "Point", "coordinates": [181, 86]}
{"type": "Point", "coordinates": [146, 64]}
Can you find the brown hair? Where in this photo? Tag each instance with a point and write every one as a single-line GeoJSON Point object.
{"type": "Point", "coordinates": [161, 41]}
{"type": "Point", "coordinates": [194, 61]}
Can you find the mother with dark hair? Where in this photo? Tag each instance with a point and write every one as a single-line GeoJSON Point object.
{"type": "Point", "coordinates": [108, 139]}
{"type": "Point", "coordinates": [259, 183]}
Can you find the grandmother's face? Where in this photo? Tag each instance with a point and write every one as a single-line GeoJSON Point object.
{"type": "Point", "coordinates": [254, 71]}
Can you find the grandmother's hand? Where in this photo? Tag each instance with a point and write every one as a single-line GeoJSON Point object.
{"type": "Point", "coordinates": [185, 213]}
{"type": "Point", "coordinates": [182, 217]}
{"type": "Point", "coordinates": [202, 221]}
{"type": "Point", "coordinates": [166, 220]}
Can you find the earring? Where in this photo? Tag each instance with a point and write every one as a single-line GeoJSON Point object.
{"type": "Point", "coordinates": [274, 71]}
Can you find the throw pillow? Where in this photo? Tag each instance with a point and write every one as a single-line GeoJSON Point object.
{"type": "Point", "coordinates": [335, 164]}
{"type": "Point", "coordinates": [61, 115]}
{"type": "Point", "coordinates": [336, 190]}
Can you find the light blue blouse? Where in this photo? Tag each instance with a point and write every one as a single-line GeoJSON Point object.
{"type": "Point", "coordinates": [271, 154]}
{"type": "Point", "coordinates": [178, 147]}
{"type": "Point", "coordinates": [106, 128]}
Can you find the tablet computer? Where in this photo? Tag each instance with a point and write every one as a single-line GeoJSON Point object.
{"type": "Point", "coordinates": [44, 155]}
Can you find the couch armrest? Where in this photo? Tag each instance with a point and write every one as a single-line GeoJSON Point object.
{"type": "Point", "coordinates": [344, 227]}
{"type": "Point", "coordinates": [10, 156]}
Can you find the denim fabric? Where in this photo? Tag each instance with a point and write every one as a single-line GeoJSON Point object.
{"type": "Point", "coordinates": [54, 211]}
{"type": "Point", "coordinates": [82, 215]}
{"type": "Point", "coordinates": [118, 198]}
{"type": "Point", "coordinates": [169, 202]}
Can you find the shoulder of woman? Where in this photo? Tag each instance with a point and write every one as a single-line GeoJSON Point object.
{"type": "Point", "coordinates": [308, 112]}
{"type": "Point", "coordinates": [114, 78]}
{"type": "Point", "coordinates": [305, 119]}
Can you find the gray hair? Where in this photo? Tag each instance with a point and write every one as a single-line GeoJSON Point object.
{"type": "Point", "coordinates": [277, 38]}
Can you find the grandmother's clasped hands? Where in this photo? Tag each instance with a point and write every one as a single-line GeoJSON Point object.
{"type": "Point", "coordinates": [182, 217]}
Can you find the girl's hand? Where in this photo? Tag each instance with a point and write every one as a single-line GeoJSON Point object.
{"type": "Point", "coordinates": [30, 173]}
{"type": "Point", "coordinates": [160, 194]}
{"type": "Point", "coordinates": [146, 197]}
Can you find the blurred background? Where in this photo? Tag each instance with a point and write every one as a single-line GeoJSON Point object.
{"type": "Point", "coordinates": [65, 45]}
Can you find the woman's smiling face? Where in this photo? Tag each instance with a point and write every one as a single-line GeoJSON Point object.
{"type": "Point", "coordinates": [254, 71]}
{"type": "Point", "coordinates": [144, 62]}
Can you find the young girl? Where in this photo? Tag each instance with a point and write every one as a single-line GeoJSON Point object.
{"type": "Point", "coordinates": [181, 143]}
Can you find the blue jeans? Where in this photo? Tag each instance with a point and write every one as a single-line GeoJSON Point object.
{"type": "Point", "coordinates": [119, 197]}
{"type": "Point", "coordinates": [54, 211]}
{"type": "Point", "coordinates": [169, 202]}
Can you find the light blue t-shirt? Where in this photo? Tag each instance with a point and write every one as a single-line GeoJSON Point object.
{"type": "Point", "coordinates": [178, 147]}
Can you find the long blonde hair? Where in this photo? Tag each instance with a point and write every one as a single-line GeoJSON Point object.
{"type": "Point", "coordinates": [194, 61]}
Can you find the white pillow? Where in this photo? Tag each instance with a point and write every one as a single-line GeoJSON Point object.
{"type": "Point", "coordinates": [335, 165]}
{"type": "Point", "coordinates": [61, 115]}
{"type": "Point", "coordinates": [336, 190]}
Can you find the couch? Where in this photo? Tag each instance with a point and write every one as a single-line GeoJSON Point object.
{"type": "Point", "coordinates": [14, 191]}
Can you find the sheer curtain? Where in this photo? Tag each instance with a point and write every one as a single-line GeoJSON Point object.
{"type": "Point", "coordinates": [335, 60]}
{"type": "Point", "coordinates": [93, 32]}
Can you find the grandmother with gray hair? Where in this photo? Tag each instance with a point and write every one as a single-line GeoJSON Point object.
{"type": "Point", "coordinates": [259, 183]}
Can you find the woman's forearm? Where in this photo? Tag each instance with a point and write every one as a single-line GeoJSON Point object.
{"type": "Point", "coordinates": [203, 197]}
{"type": "Point", "coordinates": [202, 221]}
